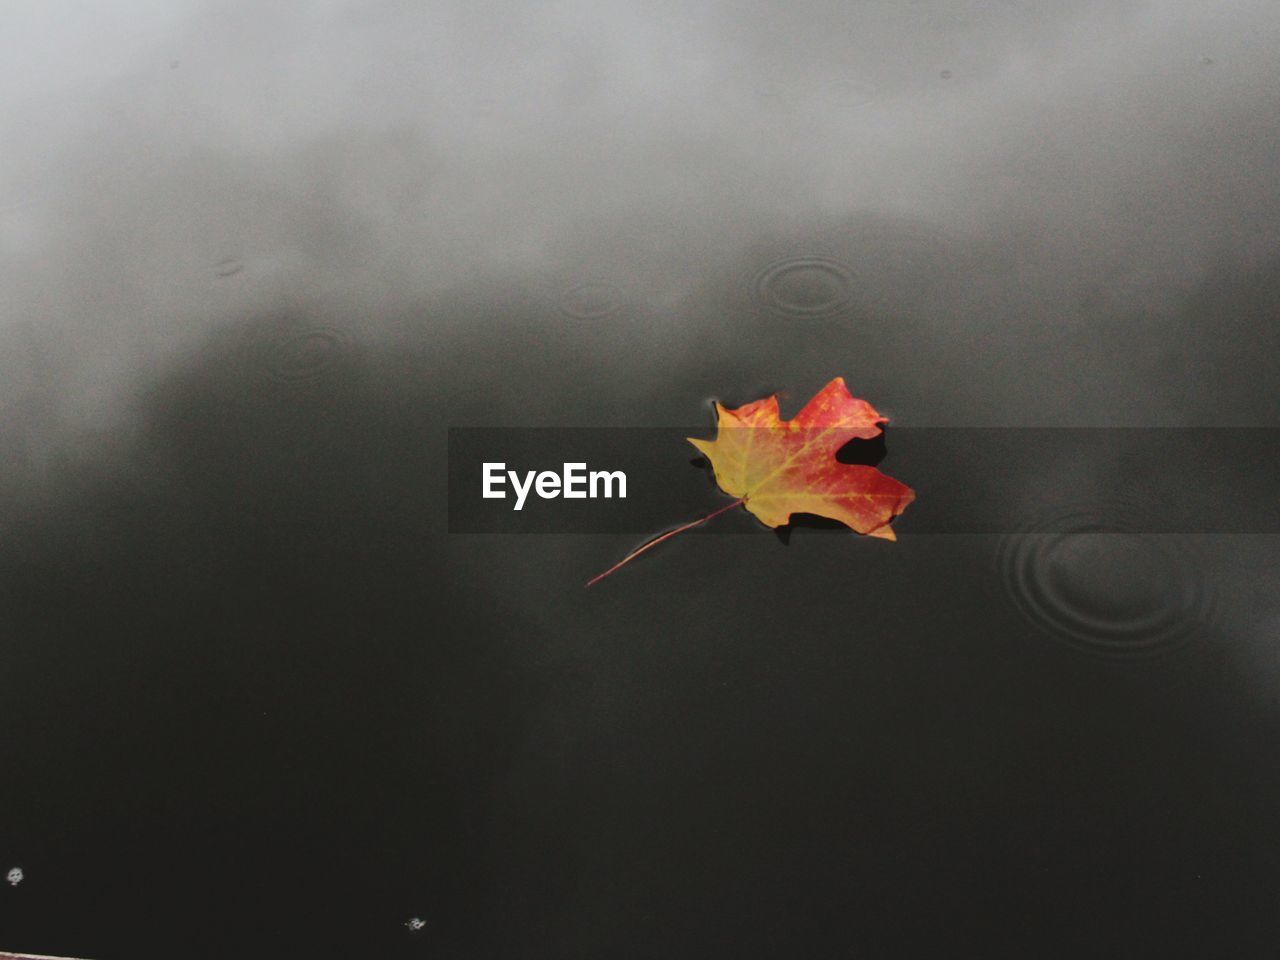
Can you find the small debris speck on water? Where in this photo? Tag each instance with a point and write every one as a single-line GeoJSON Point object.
{"type": "Point", "coordinates": [14, 876]}
{"type": "Point", "coordinates": [416, 924]}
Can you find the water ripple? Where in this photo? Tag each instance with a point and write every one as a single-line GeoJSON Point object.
{"type": "Point", "coordinates": [297, 352]}
{"type": "Point", "coordinates": [1106, 589]}
{"type": "Point", "coordinates": [804, 287]}
{"type": "Point", "coordinates": [591, 301]}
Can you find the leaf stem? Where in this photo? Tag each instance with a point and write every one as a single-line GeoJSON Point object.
{"type": "Point", "coordinates": [657, 540]}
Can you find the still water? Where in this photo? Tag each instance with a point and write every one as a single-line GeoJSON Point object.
{"type": "Point", "coordinates": [258, 701]}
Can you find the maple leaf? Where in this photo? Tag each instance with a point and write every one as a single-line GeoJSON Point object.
{"type": "Point", "coordinates": [778, 467]}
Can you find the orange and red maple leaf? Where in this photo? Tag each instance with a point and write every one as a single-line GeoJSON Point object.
{"type": "Point", "coordinates": [776, 468]}
{"type": "Point", "coordinates": [779, 467]}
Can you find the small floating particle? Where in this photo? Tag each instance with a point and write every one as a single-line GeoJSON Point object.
{"type": "Point", "coordinates": [415, 924]}
{"type": "Point", "coordinates": [15, 876]}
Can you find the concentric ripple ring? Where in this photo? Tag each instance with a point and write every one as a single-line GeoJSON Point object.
{"type": "Point", "coordinates": [1106, 590]}
{"type": "Point", "coordinates": [804, 288]}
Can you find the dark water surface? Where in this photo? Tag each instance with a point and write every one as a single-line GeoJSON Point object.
{"type": "Point", "coordinates": [258, 701]}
